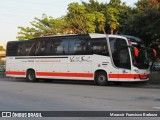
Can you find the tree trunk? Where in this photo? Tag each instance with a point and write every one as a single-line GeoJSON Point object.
{"type": "Point", "coordinates": [112, 31]}
{"type": "Point", "coordinates": [103, 30]}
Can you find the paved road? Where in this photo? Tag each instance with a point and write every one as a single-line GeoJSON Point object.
{"type": "Point", "coordinates": [18, 95]}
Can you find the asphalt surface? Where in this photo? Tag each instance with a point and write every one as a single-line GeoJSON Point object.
{"type": "Point", "coordinates": [19, 95]}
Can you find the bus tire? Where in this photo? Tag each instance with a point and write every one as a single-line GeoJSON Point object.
{"type": "Point", "coordinates": [31, 77]}
{"type": "Point", "coordinates": [101, 78]}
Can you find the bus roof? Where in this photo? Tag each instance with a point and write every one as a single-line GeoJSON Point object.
{"type": "Point", "coordinates": [133, 38]}
{"type": "Point", "coordinates": [93, 35]}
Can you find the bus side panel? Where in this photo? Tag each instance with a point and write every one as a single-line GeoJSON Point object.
{"type": "Point", "coordinates": [14, 68]}
{"type": "Point", "coordinates": [104, 63]}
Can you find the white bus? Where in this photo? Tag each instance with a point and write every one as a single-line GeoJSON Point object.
{"type": "Point", "coordinates": [98, 57]}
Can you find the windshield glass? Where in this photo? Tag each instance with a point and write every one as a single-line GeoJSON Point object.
{"type": "Point", "coordinates": [142, 61]}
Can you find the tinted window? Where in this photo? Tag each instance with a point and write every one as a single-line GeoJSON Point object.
{"type": "Point", "coordinates": [142, 61]}
{"type": "Point", "coordinates": [53, 47]}
{"type": "Point", "coordinates": [120, 53]}
{"type": "Point", "coordinates": [12, 49]}
{"type": "Point", "coordinates": [61, 47]}
{"type": "Point", "coordinates": [26, 49]}
{"type": "Point", "coordinates": [48, 48]}
{"type": "Point", "coordinates": [77, 46]}
{"type": "Point", "coordinates": [98, 46]}
{"type": "Point", "coordinates": [30, 48]}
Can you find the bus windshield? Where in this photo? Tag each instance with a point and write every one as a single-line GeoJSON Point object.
{"type": "Point", "coordinates": [142, 61]}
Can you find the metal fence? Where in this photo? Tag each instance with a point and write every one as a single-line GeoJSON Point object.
{"type": "Point", "coordinates": [2, 69]}
{"type": "Point", "coordinates": [155, 76]}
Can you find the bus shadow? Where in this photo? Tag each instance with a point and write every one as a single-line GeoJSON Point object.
{"type": "Point", "coordinates": [144, 85]}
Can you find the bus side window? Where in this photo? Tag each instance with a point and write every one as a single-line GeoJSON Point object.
{"type": "Point", "coordinates": [21, 51]}
{"type": "Point", "coordinates": [72, 47]}
{"type": "Point", "coordinates": [12, 49]}
{"type": "Point", "coordinates": [77, 47]}
{"type": "Point", "coordinates": [38, 48]}
{"type": "Point", "coordinates": [42, 48]}
{"type": "Point", "coordinates": [32, 49]}
{"type": "Point", "coordinates": [62, 47]}
{"type": "Point", "coordinates": [98, 46]}
{"type": "Point", "coordinates": [48, 48]}
{"type": "Point", "coordinates": [27, 48]}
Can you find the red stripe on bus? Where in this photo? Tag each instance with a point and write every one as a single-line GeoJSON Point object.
{"type": "Point", "coordinates": [54, 74]}
{"type": "Point", "coordinates": [87, 75]}
{"type": "Point", "coordinates": [123, 75]}
{"type": "Point", "coordinates": [132, 76]}
{"type": "Point", "coordinates": [15, 73]}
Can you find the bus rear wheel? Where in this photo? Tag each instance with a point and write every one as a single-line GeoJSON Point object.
{"type": "Point", "coordinates": [101, 78]}
{"type": "Point", "coordinates": [31, 77]}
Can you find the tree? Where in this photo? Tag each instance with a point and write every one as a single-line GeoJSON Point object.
{"type": "Point", "coordinates": [112, 15]}
{"type": "Point", "coordinates": [125, 13]}
{"type": "Point", "coordinates": [1, 48]}
{"type": "Point", "coordinates": [93, 6]}
{"type": "Point", "coordinates": [97, 9]}
{"type": "Point", "coordinates": [146, 5]}
{"type": "Point", "coordinates": [115, 3]}
{"type": "Point", "coordinates": [145, 23]}
{"type": "Point", "coordinates": [84, 22]}
{"type": "Point", "coordinates": [77, 17]}
{"type": "Point", "coordinates": [43, 27]}
{"type": "Point", "coordinates": [100, 22]}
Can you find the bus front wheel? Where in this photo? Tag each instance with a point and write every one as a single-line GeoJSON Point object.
{"type": "Point", "coordinates": [31, 77]}
{"type": "Point", "coordinates": [101, 78]}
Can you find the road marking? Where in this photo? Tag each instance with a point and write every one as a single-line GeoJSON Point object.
{"type": "Point", "coordinates": [156, 108]}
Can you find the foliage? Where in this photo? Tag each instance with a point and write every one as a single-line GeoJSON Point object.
{"type": "Point", "coordinates": [83, 20]}
{"type": "Point", "coordinates": [145, 23]}
{"type": "Point", "coordinates": [1, 48]}
{"type": "Point", "coordinates": [114, 17]}
{"type": "Point", "coordinates": [79, 19]}
{"type": "Point", "coordinates": [43, 27]}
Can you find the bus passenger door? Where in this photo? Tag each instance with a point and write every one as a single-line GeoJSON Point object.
{"type": "Point", "coordinates": [121, 58]}
{"type": "Point", "coordinates": [124, 63]}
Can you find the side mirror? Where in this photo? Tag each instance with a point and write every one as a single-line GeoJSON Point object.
{"type": "Point", "coordinates": [136, 52]}
{"type": "Point", "coordinates": [155, 53]}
